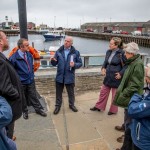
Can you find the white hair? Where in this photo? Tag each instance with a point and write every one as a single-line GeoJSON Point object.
{"type": "Point", "coordinates": [70, 38]}
{"type": "Point", "coordinates": [132, 48]}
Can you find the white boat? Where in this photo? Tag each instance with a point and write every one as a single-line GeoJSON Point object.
{"type": "Point", "coordinates": [46, 61]}
{"type": "Point", "coordinates": [53, 49]}
{"type": "Point", "coordinates": [43, 30]}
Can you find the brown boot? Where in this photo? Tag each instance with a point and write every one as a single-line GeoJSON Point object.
{"type": "Point", "coordinates": [14, 138]}
{"type": "Point", "coordinates": [119, 128]}
{"type": "Point", "coordinates": [120, 139]}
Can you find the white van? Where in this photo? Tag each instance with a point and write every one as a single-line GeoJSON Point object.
{"type": "Point", "coordinates": [138, 33]}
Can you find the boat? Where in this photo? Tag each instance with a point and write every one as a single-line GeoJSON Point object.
{"type": "Point", "coordinates": [46, 55]}
{"type": "Point", "coordinates": [53, 49]}
{"type": "Point", "coordinates": [43, 30]}
{"type": "Point", "coordinates": [50, 52]}
{"type": "Point", "coordinates": [54, 35]}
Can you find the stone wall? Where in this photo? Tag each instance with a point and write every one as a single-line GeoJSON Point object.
{"type": "Point", "coordinates": [84, 82]}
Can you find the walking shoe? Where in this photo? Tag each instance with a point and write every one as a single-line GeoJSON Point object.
{"type": "Point", "coordinates": [41, 112]}
{"type": "Point", "coordinates": [120, 139]}
{"type": "Point", "coordinates": [14, 138]}
{"type": "Point", "coordinates": [94, 109]}
{"type": "Point", "coordinates": [73, 108]}
{"type": "Point", "coordinates": [120, 128]}
{"type": "Point", "coordinates": [111, 113]}
{"type": "Point", "coordinates": [56, 111]}
{"type": "Point", "coordinates": [25, 115]}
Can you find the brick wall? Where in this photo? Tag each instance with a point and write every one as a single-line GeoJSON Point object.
{"type": "Point", "coordinates": [84, 82]}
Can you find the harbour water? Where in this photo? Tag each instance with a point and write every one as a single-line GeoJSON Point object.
{"type": "Point", "coordinates": [84, 45]}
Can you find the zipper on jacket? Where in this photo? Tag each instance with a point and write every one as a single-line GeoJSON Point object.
{"type": "Point", "coordinates": [138, 126]}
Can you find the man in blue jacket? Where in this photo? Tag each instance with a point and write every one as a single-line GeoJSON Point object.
{"type": "Point", "coordinates": [22, 61]}
{"type": "Point", "coordinates": [67, 59]}
{"type": "Point", "coordinates": [5, 119]}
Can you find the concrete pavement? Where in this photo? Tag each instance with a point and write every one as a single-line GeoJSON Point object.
{"type": "Point", "coordinates": [87, 130]}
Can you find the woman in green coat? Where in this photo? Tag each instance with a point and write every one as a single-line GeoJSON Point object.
{"type": "Point", "coordinates": [132, 82]}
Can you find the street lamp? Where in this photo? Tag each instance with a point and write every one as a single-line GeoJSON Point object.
{"type": "Point", "coordinates": [22, 19]}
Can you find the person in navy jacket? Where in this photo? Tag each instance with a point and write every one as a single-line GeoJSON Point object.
{"type": "Point", "coordinates": [139, 111]}
{"type": "Point", "coordinates": [67, 59]}
{"type": "Point", "coordinates": [113, 69]}
{"type": "Point", "coordinates": [22, 61]}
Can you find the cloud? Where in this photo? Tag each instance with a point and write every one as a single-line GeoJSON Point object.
{"type": "Point", "coordinates": [72, 13]}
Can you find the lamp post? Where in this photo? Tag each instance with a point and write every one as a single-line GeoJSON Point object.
{"type": "Point", "coordinates": [22, 19]}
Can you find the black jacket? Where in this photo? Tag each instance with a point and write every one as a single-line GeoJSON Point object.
{"type": "Point", "coordinates": [113, 67]}
{"type": "Point", "coordinates": [10, 86]}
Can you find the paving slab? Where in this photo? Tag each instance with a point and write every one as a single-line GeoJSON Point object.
{"type": "Point", "coordinates": [36, 133]}
{"type": "Point", "coordinates": [79, 128]}
{"type": "Point", "coordinates": [87, 130]}
{"type": "Point", "coordinates": [98, 144]}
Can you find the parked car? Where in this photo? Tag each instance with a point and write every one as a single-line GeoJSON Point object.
{"type": "Point", "coordinates": [145, 34]}
{"type": "Point", "coordinates": [90, 30]}
{"type": "Point", "coordinates": [107, 31]}
{"type": "Point", "coordinates": [117, 31]}
{"type": "Point", "coordinates": [138, 33]}
{"type": "Point", "coordinates": [124, 32]}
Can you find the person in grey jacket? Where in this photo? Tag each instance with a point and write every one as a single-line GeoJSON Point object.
{"type": "Point", "coordinates": [67, 59]}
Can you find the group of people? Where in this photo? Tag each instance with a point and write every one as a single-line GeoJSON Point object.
{"type": "Point", "coordinates": [17, 87]}
{"type": "Point", "coordinates": [123, 72]}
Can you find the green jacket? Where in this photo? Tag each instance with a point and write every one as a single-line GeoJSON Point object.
{"type": "Point", "coordinates": [132, 82]}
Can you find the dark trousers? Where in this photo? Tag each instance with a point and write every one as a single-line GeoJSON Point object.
{"type": "Point", "coordinates": [59, 91]}
{"type": "Point", "coordinates": [10, 129]}
{"type": "Point", "coordinates": [136, 148]}
{"type": "Point", "coordinates": [30, 94]}
{"type": "Point", "coordinates": [127, 144]}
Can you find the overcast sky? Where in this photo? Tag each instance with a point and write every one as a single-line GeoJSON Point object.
{"type": "Point", "coordinates": [72, 13]}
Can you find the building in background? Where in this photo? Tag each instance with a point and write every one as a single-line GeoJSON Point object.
{"type": "Point", "coordinates": [129, 27]}
{"type": "Point", "coordinates": [30, 26]}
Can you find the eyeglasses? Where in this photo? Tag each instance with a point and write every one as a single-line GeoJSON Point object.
{"type": "Point", "coordinates": [27, 45]}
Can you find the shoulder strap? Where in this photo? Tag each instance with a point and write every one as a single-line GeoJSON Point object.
{"type": "Point", "coordinates": [120, 56]}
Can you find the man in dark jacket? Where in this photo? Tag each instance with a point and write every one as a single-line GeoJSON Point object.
{"type": "Point", "coordinates": [10, 85]}
{"type": "Point", "coordinates": [67, 59]}
{"type": "Point", "coordinates": [22, 61]}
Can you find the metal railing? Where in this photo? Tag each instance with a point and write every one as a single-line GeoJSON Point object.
{"type": "Point", "coordinates": [87, 59]}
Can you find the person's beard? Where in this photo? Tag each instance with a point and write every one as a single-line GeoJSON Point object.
{"type": "Point", "coordinates": [5, 47]}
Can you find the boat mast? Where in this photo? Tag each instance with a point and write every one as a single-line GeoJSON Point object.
{"type": "Point", "coordinates": [54, 23]}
